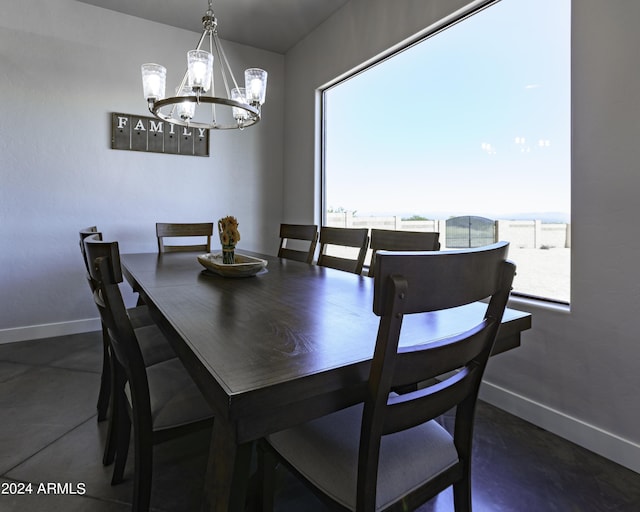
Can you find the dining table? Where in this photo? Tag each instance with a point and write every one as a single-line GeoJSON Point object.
{"type": "Point", "coordinates": [289, 344]}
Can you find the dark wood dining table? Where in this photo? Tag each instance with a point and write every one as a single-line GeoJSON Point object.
{"type": "Point", "coordinates": [277, 349]}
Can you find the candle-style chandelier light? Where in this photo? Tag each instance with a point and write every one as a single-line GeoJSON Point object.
{"type": "Point", "coordinates": [192, 106]}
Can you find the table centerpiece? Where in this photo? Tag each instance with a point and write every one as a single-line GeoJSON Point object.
{"type": "Point", "coordinates": [229, 237]}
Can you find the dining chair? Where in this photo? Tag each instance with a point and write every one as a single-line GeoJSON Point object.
{"type": "Point", "coordinates": [182, 230]}
{"type": "Point", "coordinates": [390, 453]}
{"type": "Point", "coordinates": [354, 238]}
{"type": "Point", "coordinates": [306, 233]}
{"type": "Point", "coordinates": [105, 377]}
{"type": "Point", "coordinates": [391, 240]}
{"type": "Point", "coordinates": [160, 400]}
{"type": "Point", "coordinates": [154, 346]}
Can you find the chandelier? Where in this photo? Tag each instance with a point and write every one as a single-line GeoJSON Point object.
{"type": "Point", "coordinates": [192, 106]}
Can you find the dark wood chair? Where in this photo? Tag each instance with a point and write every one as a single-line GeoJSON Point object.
{"type": "Point", "coordinates": [104, 393]}
{"type": "Point", "coordinates": [390, 240]}
{"type": "Point", "coordinates": [154, 346]}
{"type": "Point", "coordinates": [357, 238]}
{"type": "Point", "coordinates": [390, 453]}
{"type": "Point", "coordinates": [160, 400]}
{"type": "Point", "coordinates": [304, 232]}
{"type": "Point", "coordinates": [175, 230]}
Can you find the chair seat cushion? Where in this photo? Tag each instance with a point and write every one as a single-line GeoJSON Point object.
{"type": "Point", "coordinates": [174, 397]}
{"type": "Point", "coordinates": [140, 316]}
{"type": "Point", "coordinates": [154, 345]}
{"type": "Point", "coordinates": [325, 452]}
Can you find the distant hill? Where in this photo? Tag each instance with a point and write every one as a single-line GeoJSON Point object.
{"type": "Point", "coordinates": [545, 217]}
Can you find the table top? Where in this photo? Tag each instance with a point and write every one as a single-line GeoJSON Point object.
{"type": "Point", "coordinates": [279, 341]}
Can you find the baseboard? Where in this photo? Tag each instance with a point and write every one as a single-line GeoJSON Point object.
{"type": "Point", "coordinates": [619, 450]}
{"type": "Point", "coordinates": [34, 332]}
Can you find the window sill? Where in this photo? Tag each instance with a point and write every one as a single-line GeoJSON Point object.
{"type": "Point", "coordinates": [527, 303]}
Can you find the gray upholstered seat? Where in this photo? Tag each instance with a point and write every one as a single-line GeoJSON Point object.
{"type": "Point", "coordinates": [153, 344]}
{"type": "Point", "coordinates": [175, 399]}
{"type": "Point", "coordinates": [325, 452]}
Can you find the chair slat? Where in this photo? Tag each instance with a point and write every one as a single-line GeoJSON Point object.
{"type": "Point", "coordinates": [449, 279]}
{"type": "Point", "coordinates": [303, 232]}
{"type": "Point", "coordinates": [414, 408]}
{"type": "Point", "coordinates": [175, 230]}
{"type": "Point", "coordinates": [391, 240]}
{"type": "Point", "coordinates": [422, 362]}
{"type": "Point", "coordinates": [346, 237]}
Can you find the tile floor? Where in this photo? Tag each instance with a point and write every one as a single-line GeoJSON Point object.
{"type": "Point", "coordinates": [49, 434]}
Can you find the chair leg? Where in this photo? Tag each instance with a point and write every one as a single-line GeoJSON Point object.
{"type": "Point", "coordinates": [143, 471]}
{"type": "Point", "coordinates": [462, 495]}
{"type": "Point", "coordinates": [110, 446]}
{"type": "Point", "coordinates": [122, 451]}
{"type": "Point", "coordinates": [122, 435]}
{"type": "Point", "coordinates": [114, 418]}
{"type": "Point", "coordinates": [105, 378]}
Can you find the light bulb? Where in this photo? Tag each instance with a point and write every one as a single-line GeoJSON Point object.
{"type": "Point", "coordinates": [200, 69]}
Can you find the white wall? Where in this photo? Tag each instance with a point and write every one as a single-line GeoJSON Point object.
{"type": "Point", "coordinates": [576, 372]}
{"type": "Point", "coordinates": [64, 67]}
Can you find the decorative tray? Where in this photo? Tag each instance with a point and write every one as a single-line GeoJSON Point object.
{"type": "Point", "coordinates": [244, 266]}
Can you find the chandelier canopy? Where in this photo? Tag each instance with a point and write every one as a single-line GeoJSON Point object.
{"type": "Point", "coordinates": [192, 106]}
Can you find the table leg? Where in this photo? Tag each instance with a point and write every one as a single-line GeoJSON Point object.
{"type": "Point", "coordinates": [228, 469]}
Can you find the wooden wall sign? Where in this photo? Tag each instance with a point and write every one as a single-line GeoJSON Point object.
{"type": "Point", "coordinates": [139, 133]}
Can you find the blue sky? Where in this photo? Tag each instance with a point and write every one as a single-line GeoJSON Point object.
{"type": "Point", "coordinates": [474, 120]}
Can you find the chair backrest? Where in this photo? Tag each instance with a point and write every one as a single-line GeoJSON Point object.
{"type": "Point", "coordinates": [173, 230]}
{"type": "Point", "coordinates": [407, 283]}
{"type": "Point", "coordinates": [346, 237]}
{"type": "Point", "coordinates": [105, 270]}
{"type": "Point", "coordinates": [84, 233]}
{"type": "Point", "coordinates": [304, 232]}
{"type": "Point", "coordinates": [390, 240]}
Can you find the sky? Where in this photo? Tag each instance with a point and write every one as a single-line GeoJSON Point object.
{"type": "Point", "coordinates": [472, 121]}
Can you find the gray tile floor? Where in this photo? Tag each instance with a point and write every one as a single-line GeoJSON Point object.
{"type": "Point", "coordinates": [49, 435]}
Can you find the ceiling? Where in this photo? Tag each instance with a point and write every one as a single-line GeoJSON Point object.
{"type": "Point", "coordinates": [274, 25]}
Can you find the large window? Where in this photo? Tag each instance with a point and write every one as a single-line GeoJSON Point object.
{"type": "Point", "coordinates": [469, 125]}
